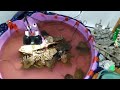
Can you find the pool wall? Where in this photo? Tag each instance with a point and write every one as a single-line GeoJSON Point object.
{"type": "Point", "coordinates": [56, 17]}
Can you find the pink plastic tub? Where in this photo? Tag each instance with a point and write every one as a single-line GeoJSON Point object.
{"type": "Point", "coordinates": [6, 72]}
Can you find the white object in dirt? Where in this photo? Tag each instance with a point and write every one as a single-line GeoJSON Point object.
{"type": "Point", "coordinates": [107, 65]}
{"type": "Point", "coordinates": [27, 33]}
{"type": "Point", "coordinates": [101, 57]}
{"type": "Point", "coordinates": [30, 48]}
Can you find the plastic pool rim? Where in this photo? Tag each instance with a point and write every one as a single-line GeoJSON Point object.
{"type": "Point", "coordinates": [73, 22]}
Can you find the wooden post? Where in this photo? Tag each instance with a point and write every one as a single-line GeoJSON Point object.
{"type": "Point", "coordinates": [118, 23]}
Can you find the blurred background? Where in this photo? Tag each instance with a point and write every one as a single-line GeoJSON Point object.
{"type": "Point", "coordinates": [92, 17]}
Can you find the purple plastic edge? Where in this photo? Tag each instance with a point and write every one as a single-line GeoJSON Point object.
{"type": "Point", "coordinates": [37, 15]}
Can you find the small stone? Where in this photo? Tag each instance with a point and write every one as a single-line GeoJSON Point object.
{"type": "Point", "coordinates": [64, 58]}
{"type": "Point", "coordinates": [68, 76]}
{"type": "Point", "coordinates": [78, 74]}
{"type": "Point", "coordinates": [49, 39]}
